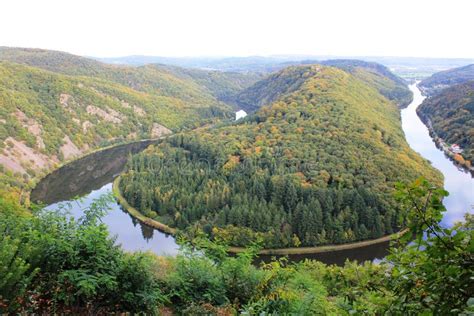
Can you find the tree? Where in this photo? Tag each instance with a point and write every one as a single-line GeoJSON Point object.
{"type": "Point", "coordinates": [435, 272]}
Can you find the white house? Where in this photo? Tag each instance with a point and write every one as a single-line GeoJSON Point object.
{"type": "Point", "coordinates": [455, 148]}
{"type": "Point", "coordinates": [240, 114]}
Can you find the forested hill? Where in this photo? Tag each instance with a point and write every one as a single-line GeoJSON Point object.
{"type": "Point", "coordinates": [187, 84]}
{"type": "Point", "coordinates": [271, 88]}
{"type": "Point", "coordinates": [223, 85]}
{"type": "Point", "coordinates": [387, 83]}
{"type": "Point", "coordinates": [451, 113]}
{"type": "Point", "coordinates": [316, 166]}
{"type": "Point", "coordinates": [52, 60]}
{"type": "Point", "coordinates": [444, 79]}
{"type": "Point", "coordinates": [47, 117]}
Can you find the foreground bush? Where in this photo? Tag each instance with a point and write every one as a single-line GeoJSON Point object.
{"type": "Point", "coordinates": [54, 264]}
{"type": "Point", "coordinates": [50, 263]}
{"type": "Point", "coordinates": [434, 273]}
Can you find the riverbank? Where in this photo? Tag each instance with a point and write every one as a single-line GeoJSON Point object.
{"type": "Point", "coordinates": [136, 214]}
{"type": "Point", "coordinates": [35, 181]}
{"type": "Point", "coordinates": [276, 251]}
{"type": "Point", "coordinates": [326, 248]}
{"type": "Point", "coordinates": [440, 144]}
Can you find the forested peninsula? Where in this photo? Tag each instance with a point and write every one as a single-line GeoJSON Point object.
{"type": "Point", "coordinates": [315, 166]}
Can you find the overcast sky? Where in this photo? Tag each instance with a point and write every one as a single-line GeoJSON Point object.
{"type": "Point", "coordinates": [101, 28]}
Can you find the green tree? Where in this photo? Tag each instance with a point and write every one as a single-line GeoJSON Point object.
{"type": "Point", "coordinates": [435, 272]}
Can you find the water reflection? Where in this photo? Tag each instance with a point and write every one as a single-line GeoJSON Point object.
{"type": "Point", "coordinates": [84, 175]}
{"type": "Point", "coordinates": [130, 234]}
{"type": "Point", "coordinates": [91, 177]}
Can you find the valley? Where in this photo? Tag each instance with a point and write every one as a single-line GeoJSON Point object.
{"type": "Point", "coordinates": [133, 235]}
{"type": "Point", "coordinates": [225, 158]}
{"type": "Point", "coordinates": [282, 85]}
{"type": "Point", "coordinates": [325, 172]}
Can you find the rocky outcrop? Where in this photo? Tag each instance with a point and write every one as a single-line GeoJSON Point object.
{"type": "Point", "coordinates": [159, 130]}
{"type": "Point", "coordinates": [18, 157]}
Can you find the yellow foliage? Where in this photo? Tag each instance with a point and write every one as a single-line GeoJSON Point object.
{"type": "Point", "coordinates": [231, 163]}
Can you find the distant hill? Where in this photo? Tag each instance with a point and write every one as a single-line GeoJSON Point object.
{"type": "Point", "coordinates": [253, 64]}
{"type": "Point", "coordinates": [272, 87]}
{"type": "Point", "coordinates": [269, 89]}
{"type": "Point", "coordinates": [444, 79]}
{"type": "Point", "coordinates": [451, 114]}
{"type": "Point", "coordinates": [386, 82]}
{"type": "Point", "coordinates": [52, 60]}
{"type": "Point", "coordinates": [406, 67]}
{"type": "Point", "coordinates": [316, 165]}
{"type": "Point", "coordinates": [223, 85]}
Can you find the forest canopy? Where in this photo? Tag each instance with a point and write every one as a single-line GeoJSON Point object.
{"type": "Point", "coordinates": [270, 89]}
{"type": "Point", "coordinates": [317, 166]}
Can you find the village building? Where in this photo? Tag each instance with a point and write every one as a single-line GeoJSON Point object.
{"type": "Point", "coordinates": [455, 148]}
{"type": "Point", "coordinates": [240, 114]}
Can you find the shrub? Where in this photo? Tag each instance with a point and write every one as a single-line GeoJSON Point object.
{"type": "Point", "coordinates": [51, 263]}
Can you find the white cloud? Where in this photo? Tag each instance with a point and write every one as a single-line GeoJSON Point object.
{"type": "Point", "coordinates": [241, 27]}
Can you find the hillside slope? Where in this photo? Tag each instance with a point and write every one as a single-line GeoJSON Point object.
{"type": "Point", "coordinates": [48, 117]}
{"type": "Point", "coordinates": [223, 85]}
{"type": "Point", "coordinates": [188, 84]}
{"type": "Point", "coordinates": [388, 84]}
{"type": "Point", "coordinates": [316, 166]}
{"type": "Point", "coordinates": [268, 90]}
{"type": "Point", "coordinates": [55, 61]}
{"type": "Point", "coordinates": [451, 115]}
{"type": "Point", "coordinates": [444, 79]}
{"type": "Point", "coordinates": [272, 87]}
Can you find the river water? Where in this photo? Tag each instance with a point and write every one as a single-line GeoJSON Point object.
{"type": "Point", "coordinates": [92, 176]}
{"type": "Point", "coordinates": [457, 182]}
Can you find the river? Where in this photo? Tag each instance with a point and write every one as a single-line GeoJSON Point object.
{"type": "Point", "coordinates": [92, 176]}
{"type": "Point", "coordinates": [458, 182]}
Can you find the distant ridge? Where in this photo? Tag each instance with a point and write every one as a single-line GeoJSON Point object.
{"type": "Point", "coordinates": [400, 65]}
{"type": "Point", "coordinates": [444, 79]}
{"type": "Point", "coordinates": [269, 89]}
